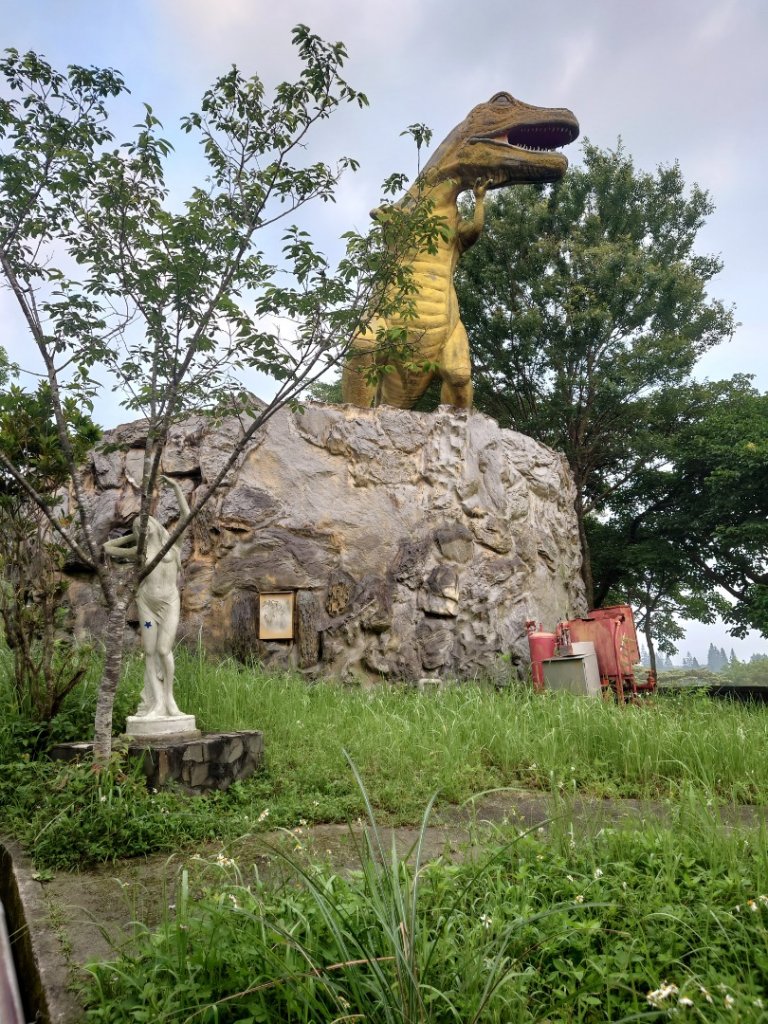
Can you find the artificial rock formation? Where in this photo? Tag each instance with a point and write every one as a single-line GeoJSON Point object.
{"type": "Point", "coordinates": [418, 543]}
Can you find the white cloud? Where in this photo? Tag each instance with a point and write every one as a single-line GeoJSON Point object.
{"type": "Point", "coordinates": [578, 59]}
{"type": "Point", "coordinates": [715, 24]}
{"type": "Point", "coordinates": [256, 35]}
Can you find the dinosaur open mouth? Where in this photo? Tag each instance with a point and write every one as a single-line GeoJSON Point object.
{"type": "Point", "coordinates": [544, 136]}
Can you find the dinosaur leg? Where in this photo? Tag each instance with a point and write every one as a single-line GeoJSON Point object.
{"type": "Point", "coordinates": [456, 370]}
{"type": "Point", "coordinates": [355, 388]}
{"type": "Point", "coordinates": [403, 388]}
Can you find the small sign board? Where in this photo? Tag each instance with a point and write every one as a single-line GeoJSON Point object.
{"type": "Point", "coordinates": [276, 616]}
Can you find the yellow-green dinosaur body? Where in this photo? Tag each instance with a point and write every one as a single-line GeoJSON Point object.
{"type": "Point", "coordinates": [501, 142]}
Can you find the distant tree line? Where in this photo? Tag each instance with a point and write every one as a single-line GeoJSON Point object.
{"type": "Point", "coordinates": [717, 660]}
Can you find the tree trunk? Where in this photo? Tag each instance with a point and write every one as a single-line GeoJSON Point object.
{"type": "Point", "coordinates": [649, 642]}
{"type": "Point", "coordinates": [586, 561]}
{"type": "Point", "coordinates": [113, 664]}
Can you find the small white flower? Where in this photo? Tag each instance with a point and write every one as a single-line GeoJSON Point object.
{"type": "Point", "coordinates": [660, 995]}
{"type": "Point", "coordinates": [579, 898]}
{"type": "Point", "coordinates": [598, 872]}
{"type": "Point", "coordinates": [624, 886]}
{"type": "Point", "coordinates": [570, 878]}
{"type": "Point", "coordinates": [685, 1001]}
{"type": "Point", "coordinates": [225, 862]}
{"type": "Point", "coordinates": [758, 1003]}
{"type": "Point", "coordinates": [486, 921]}
{"type": "Point", "coordinates": [729, 1002]}
{"type": "Point", "coordinates": [103, 798]}
{"type": "Point", "coordinates": [752, 904]}
{"type": "Point", "coordinates": [706, 994]}
{"type": "Point", "coordinates": [763, 900]}
{"type": "Point", "coordinates": [264, 815]}
{"type": "Point", "coordinates": [233, 900]}
{"type": "Point", "coordinates": [541, 830]}
{"type": "Point", "coordinates": [302, 822]}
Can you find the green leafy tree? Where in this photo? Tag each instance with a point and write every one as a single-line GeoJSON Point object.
{"type": "Point", "coordinates": [47, 662]}
{"type": "Point", "coordinates": [167, 303]}
{"type": "Point", "coordinates": [584, 300]}
{"type": "Point", "coordinates": [692, 524]}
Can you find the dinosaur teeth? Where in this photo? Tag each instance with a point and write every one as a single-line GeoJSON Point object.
{"type": "Point", "coordinates": [534, 149]}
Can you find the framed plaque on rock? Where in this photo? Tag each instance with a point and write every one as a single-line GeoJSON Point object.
{"type": "Point", "coordinates": [276, 616]}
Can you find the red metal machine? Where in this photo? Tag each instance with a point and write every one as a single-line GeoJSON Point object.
{"type": "Point", "coordinates": [611, 631]}
{"type": "Point", "coordinates": [542, 646]}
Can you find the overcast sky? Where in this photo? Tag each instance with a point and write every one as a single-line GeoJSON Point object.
{"type": "Point", "coordinates": [683, 80]}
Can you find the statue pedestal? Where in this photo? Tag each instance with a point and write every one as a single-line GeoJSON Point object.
{"type": "Point", "coordinates": [160, 727]}
{"type": "Point", "coordinates": [193, 762]}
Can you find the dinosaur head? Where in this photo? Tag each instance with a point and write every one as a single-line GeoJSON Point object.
{"type": "Point", "coordinates": [505, 142]}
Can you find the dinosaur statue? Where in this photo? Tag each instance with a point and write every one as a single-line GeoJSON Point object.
{"type": "Point", "coordinates": [501, 142]}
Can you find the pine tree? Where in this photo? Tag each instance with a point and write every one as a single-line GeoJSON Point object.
{"type": "Point", "coordinates": [713, 658]}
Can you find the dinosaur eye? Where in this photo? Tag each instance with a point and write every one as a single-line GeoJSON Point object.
{"type": "Point", "coordinates": [502, 99]}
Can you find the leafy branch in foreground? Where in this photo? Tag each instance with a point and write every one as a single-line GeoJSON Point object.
{"type": "Point", "coordinates": [118, 287]}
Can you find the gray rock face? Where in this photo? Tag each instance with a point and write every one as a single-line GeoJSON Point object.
{"type": "Point", "coordinates": [418, 543]}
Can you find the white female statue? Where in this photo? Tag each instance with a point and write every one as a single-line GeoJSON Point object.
{"type": "Point", "coordinates": [159, 605]}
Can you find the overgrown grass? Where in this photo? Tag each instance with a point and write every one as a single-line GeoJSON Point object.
{"type": "Point", "coordinates": [668, 921]}
{"type": "Point", "coordinates": [472, 737]}
{"type": "Point", "coordinates": [459, 742]}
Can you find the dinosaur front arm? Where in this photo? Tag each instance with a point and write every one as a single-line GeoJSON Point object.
{"type": "Point", "coordinates": [470, 230]}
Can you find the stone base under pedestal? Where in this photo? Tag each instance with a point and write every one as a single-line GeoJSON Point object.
{"type": "Point", "coordinates": [139, 727]}
{"type": "Point", "coordinates": [196, 764]}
